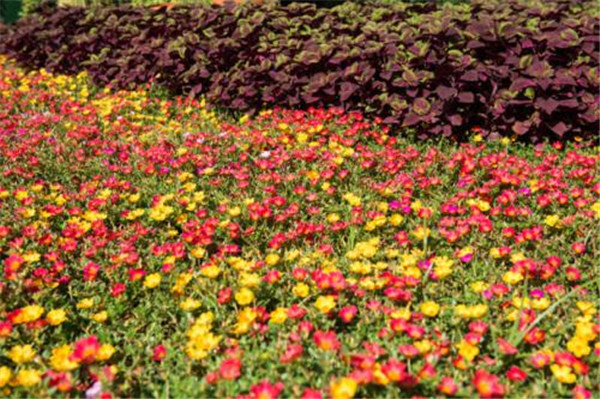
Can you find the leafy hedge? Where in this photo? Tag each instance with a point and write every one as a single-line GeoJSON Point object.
{"type": "Point", "coordinates": [511, 67]}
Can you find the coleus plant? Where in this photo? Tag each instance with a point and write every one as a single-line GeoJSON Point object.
{"type": "Point", "coordinates": [511, 68]}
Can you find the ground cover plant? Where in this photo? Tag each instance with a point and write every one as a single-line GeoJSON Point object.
{"type": "Point", "coordinates": [150, 247]}
{"type": "Point", "coordinates": [513, 67]}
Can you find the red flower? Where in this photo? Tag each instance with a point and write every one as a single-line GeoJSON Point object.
{"type": "Point", "coordinates": [224, 296]}
{"type": "Point", "coordinates": [159, 353]}
{"type": "Point", "coordinates": [579, 392]}
{"type": "Point", "coordinates": [447, 386]}
{"type": "Point", "coordinates": [292, 352]}
{"type": "Point", "coordinates": [85, 350]}
{"type": "Point", "coordinates": [117, 290]}
{"type": "Point", "coordinates": [487, 385]}
{"type": "Point", "coordinates": [327, 340]}
{"type": "Point", "coordinates": [516, 374]}
{"type": "Point", "coordinates": [230, 369]}
{"type": "Point", "coordinates": [5, 329]}
{"type": "Point", "coordinates": [296, 312]}
{"type": "Point", "coordinates": [211, 377]}
{"type": "Point", "coordinates": [266, 390]}
{"type": "Point", "coordinates": [310, 393]}
{"type": "Point", "coordinates": [506, 347]}
{"type": "Point", "coordinates": [578, 248]}
{"type": "Point", "coordinates": [394, 370]}
{"type": "Point", "coordinates": [347, 313]}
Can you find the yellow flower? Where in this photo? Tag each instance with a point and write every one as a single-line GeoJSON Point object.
{"type": "Point", "coordinates": [21, 195]}
{"type": "Point", "coordinates": [421, 232]}
{"type": "Point", "coordinates": [403, 313]}
{"type": "Point", "coordinates": [483, 206]}
{"type": "Point", "coordinates": [563, 374]}
{"type": "Point", "coordinates": [430, 308]}
{"type": "Point", "coordinates": [579, 347]}
{"type": "Point", "coordinates": [60, 359]}
{"type": "Point", "coordinates": [249, 279]}
{"type": "Point", "coordinates": [21, 354]}
{"type": "Point", "coordinates": [479, 286]}
{"type": "Point", "coordinates": [28, 377]}
{"type": "Point", "coordinates": [133, 198]}
{"type": "Point", "coordinates": [478, 311]}
{"type": "Point", "coordinates": [301, 290]}
{"type": "Point", "coordinates": [413, 271]}
{"type": "Point", "coordinates": [92, 216]}
{"type": "Point", "coordinates": [352, 199]}
{"type": "Point", "coordinates": [190, 304]}
{"type": "Point", "coordinates": [516, 257]}
{"type": "Point", "coordinates": [105, 352]}
{"type": "Point", "coordinates": [235, 211]}
{"type": "Point", "coordinates": [325, 303]}
{"type": "Point", "coordinates": [198, 252]}
{"type": "Point", "coordinates": [423, 346]}
{"type": "Point", "coordinates": [443, 267]}
{"type": "Point", "coordinates": [152, 280]}
{"type": "Point", "coordinates": [519, 302]}
{"type": "Point", "coordinates": [587, 308]}
{"type": "Point", "coordinates": [31, 257]}
{"type": "Point", "coordinates": [292, 255]}
{"type": "Point", "coordinates": [467, 351]}
{"type": "Point", "coordinates": [396, 219]}
{"type": "Point", "coordinates": [100, 317]}
{"type": "Point", "coordinates": [279, 315]}
{"type": "Point", "coordinates": [512, 278]}
{"type": "Point", "coordinates": [161, 212]}
{"type": "Point", "coordinates": [465, 251]}
{"type": "Point", "coordinates": [383, 206]}
{"type": "Point", "coordinates": [56, 317]}
{"type": "Point", "coordinates": [596, 208]}
{"type": "Point", "coordinates": [379, 376]}
{"type": "Point", "coordinates": [540, 304]}
{"type": "Point", "coordinates": [201, 342]}
{"type": "Point", "coordinates": [245, 319]}
{"type": "Point", "coordinates": [244, 296]}
{"type": "Point", "coordinates": [85, 303]}
{"type": "Point", "coordinates": [495, 253]}
{"type": "Point", "coordinates": [302, 137]}
{"type": "Point", "coordinates": [584, 329]}
{"type": "Point", "coordinates": [199, 197]}
{"type": "Point", "coordinates": [136, 213]}
{"type": "Point", "coordinates": [553, 221]}
{"type": "Point", "coordinates": [272, 259]}
{"type": "Point", "coordinates": [5, 375]}
{"type": "Point", "coordinates": [29, 314]}
{"type": "Point", "coordinates": [471, 312]}
{"type": "Point", "coordinates": [344, 388]}
{"type": "Point", "coordinates": [210, 271]}
{"type": "Point", "coordinates": [416, 206]}
{"type": "Point", "coordinates": [333, 218]}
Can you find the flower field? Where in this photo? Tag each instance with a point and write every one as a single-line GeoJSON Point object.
{"type": "Point", "coordinates": [152, 247]}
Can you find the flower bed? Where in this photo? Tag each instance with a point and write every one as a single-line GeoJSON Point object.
{"type": "Point", "coordinates": [151, 248]}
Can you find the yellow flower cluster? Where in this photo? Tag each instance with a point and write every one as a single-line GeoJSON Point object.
{"type": "Point", "coordinates": [579, 344]}
{"type": "Point", "coordinates": [161, 211]}
{"type": "Point", "coordinates": [364, 249]}
{"type": "Point", "coordinates": [200, 338]}
{"type": "Point", "coordinates": [244, 321]}
{"type": "Point", "coordinates": [471, 311]}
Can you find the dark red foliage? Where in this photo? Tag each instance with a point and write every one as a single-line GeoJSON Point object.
{"type": "Point", "coordinates": [504, 67]}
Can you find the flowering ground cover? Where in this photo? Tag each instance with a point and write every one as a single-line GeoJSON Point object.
{"type": "Point", "coordinates": [151, 247]}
